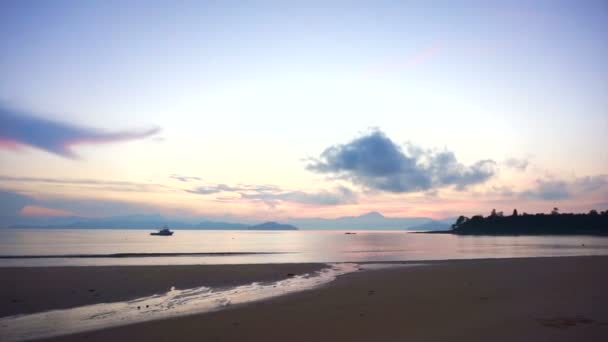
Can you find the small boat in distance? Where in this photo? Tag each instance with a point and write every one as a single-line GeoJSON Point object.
{"type": "Point", "coordinates": [163, 232]}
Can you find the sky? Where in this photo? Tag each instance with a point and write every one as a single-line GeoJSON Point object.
{"type": "Point", "coordinates": [271, 109]}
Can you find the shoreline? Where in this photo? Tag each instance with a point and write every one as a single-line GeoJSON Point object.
{"type": "Point", "coordinates": [33, 289]}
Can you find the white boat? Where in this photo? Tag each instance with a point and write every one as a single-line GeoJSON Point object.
{"type": "Point", "coordinates": [163, 232]}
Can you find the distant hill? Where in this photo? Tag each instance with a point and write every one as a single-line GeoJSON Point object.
{"type": "Point", "coordinates": [272, 226]}
{"type": "Point", "coordinates": [370, 221]}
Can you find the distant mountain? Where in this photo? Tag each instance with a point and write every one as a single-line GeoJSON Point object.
{"type": "Point", "coordinates": [142, 222]}
{"type": "Point", "coordinates": [272, 226]}
{"type": "Point", "coordinates": [370, 221]}
{"type": "Point", "coordinates": [131, 222]}
{"type": "Point", "coordinates": [433, 225]}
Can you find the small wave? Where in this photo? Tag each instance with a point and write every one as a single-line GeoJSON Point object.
{"type": "Point", "coordinates": [133, 255]}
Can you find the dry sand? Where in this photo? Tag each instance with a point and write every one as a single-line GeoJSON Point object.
{"type": "Point", "coordinates": [542, 299]}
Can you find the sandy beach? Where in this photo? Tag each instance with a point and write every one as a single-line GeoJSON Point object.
{"type": "Point", "coordinates": [35, 289]}
{"type": "Point", "coordinates": [535, 299]}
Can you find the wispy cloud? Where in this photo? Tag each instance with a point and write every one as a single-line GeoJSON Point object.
{"type": "Point", "coordinates": [549, 190]}
{"type": "Point", "coordinates": [272, 195]}
{"type": "Point", "coordinates": [554, 189]}
{"type": "Point", "coordinates": [591, 183]}
{"type": "Point", "coordinates": [18, 128]}
{"type": "Point", "coordinates": [183, 178]}
{"type": "Point", "coordinates": [376, 162]}
{"type": "Point", "coordinates": [217, 188]}
{"type": "Point", "coordinates": [520, 164]}
{"type": "Point", "coordinates": [125, 186]}
{"type": "Point", "coordinates": [214, 189]}
{"type": "Point", "coordinates": [340, 195]}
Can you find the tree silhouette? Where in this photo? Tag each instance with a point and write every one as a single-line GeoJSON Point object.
{"type": "Point", "coordinates": [593, 223]}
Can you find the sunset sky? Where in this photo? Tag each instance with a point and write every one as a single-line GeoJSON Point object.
{"type": "Point", "coordinates": [278, 109]}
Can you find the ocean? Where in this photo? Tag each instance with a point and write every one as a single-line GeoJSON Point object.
{"type": "Point", "coordinates": [89, 247]}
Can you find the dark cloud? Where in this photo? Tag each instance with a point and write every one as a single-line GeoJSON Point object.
{"type": "Point", "coordinates": [518, 164]}
{"type": "Point", "coordinates": [376, 162]}
{"type": "Point", "coordinates": [18, 128]}
{"type": "Point", "coordinates": [183, 178]}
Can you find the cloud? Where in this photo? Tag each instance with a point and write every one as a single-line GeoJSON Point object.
{"type": "Point", "coordinates": [557, 189]}
{"type": "Point", "coordinates": [517, 164]}
{"type": "Point", "coordinates": [17, 129]}
{"type": "Point", "coordinates": [376, 162]}
{"type": "Point", "coordinates": [340, 195]}
{"type": "Point", "coordinates": [591, 183]}
{"type": "Point", "coordinates": [548, 190]}
{"type": "Point", "coordinates": [273, 195]}
{"type": "Point", "coordinates": [182, 178]}
{"type": "Point", "coordinates": [124, 186]}
{"type": "Point", "coordinates": [213, 189]}
{"type": "Point", "coordinates": [217, 188]}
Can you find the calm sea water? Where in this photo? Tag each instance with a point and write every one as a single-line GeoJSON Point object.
{"type": "Point", "coordinates": [274, 247]}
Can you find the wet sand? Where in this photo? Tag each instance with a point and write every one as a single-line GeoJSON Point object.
{"type": "Point", "coordinates": [35, 289]}
{"type": "Point", "coordinates": [536, 299]}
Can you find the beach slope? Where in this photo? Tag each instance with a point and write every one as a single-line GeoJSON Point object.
{"type": "Point", "coordinates": [535, 299]}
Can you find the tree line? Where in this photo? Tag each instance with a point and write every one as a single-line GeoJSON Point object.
{"type": "Point", "coordinates": [497, 223]}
